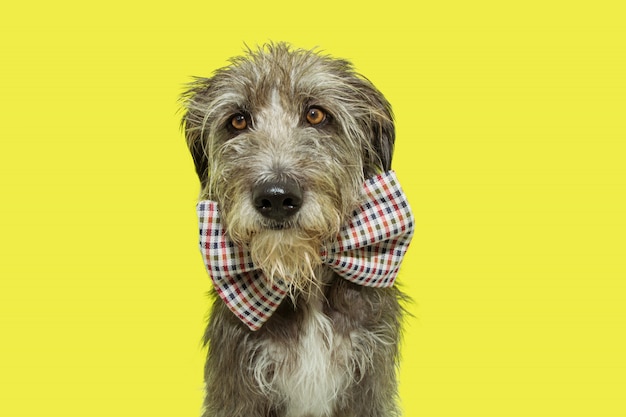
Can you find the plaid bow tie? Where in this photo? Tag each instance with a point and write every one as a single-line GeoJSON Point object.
{"type": "Point", "coordinates": [368, 251]}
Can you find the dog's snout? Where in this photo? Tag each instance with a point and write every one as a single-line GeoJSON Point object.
{"type": "Point", "coordinates": [277, 200]}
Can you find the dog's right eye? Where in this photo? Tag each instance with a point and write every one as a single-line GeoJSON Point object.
{"type": "Point", "coordinates": [239, 122]}
{"type": "Point", "coordinates": [315, 116]}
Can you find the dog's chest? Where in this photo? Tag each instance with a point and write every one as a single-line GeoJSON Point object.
{"type": "Point", "coordinates": [311, 375]}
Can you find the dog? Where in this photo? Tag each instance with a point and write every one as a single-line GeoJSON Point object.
{"type": "Point", "coordinates": [282, 140]}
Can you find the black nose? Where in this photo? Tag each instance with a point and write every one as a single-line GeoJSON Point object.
{"type": "Point", "coordinates": [277, 200]}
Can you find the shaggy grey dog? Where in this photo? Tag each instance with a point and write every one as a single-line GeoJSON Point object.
{"type": "Point", "coordinates": [282, 140]}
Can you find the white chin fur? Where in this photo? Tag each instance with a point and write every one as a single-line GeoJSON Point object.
{"type": "Point", "coordinates": [287, 254]}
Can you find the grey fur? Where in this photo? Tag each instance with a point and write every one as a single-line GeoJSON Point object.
{"type": "Point", "coordinates": [331, 348]}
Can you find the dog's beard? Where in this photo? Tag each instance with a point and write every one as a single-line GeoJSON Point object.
{"type": "Point", "coordinates": [289, 255]}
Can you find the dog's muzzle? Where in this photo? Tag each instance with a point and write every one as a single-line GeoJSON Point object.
{"type": "Point", "coordinates": [277, 200]}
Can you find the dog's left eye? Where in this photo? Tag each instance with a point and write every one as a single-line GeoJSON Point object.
{"type": "Point", "coordinates": [315, 116]}
{"type": "Point", "coordinates": [239, 122]}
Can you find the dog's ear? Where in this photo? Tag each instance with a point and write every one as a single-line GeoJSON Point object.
{"type": "Point", "coordinates": [198, 154]}
{"type": "Point", "coordinates": [383, 132]}
{"type": "Point", "coordinates": [192, 125]}
{"type": "Point", "coordinates": [378, 121]}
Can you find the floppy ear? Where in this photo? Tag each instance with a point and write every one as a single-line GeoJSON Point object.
{"type": "Point", "coordinates": [192, 124]}
{"type": "Point", "coordinates": [377, 120]}
{"type": "Point", "coordinates": [383, 131]}
{"type": "Point", "coordinates": [198, 154]}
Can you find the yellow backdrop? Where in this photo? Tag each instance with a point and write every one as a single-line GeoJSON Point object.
{"type": "Point", "coordinates": [511, 130]}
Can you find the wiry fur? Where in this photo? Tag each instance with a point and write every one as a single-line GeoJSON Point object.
{"type": "Point", "coordinates": [330, 349]}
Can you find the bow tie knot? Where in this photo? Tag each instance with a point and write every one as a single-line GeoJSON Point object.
{"type": "Point", "coordinates": [368, 251]}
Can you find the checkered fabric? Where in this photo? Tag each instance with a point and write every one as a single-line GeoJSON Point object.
{"type": "Point", "coordinates": [368, 251]}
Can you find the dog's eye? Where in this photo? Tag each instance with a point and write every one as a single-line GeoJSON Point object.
{"type": "Point", "coordinates": [315, 116]}
{"type": "Point", "coordinates": [239, 122]}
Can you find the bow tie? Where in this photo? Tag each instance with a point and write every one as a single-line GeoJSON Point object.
{"type": "Point", "coordinates": [368, 251]}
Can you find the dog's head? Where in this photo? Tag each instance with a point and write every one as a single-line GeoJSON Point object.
{"type": "Point", "coordinates": [283, 139]}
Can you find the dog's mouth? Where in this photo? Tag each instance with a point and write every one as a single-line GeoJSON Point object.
{"type": "Point", "coordinates": [278, 227]}
{"type": "Point", "coordinates": [275, 225]}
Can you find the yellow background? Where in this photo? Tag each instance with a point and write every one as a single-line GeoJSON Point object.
{"type": "Point", "coordinates": [511, 130]}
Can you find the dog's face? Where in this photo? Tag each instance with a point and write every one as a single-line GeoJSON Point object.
{"type": "Point", "coordinates": [283, 139]}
